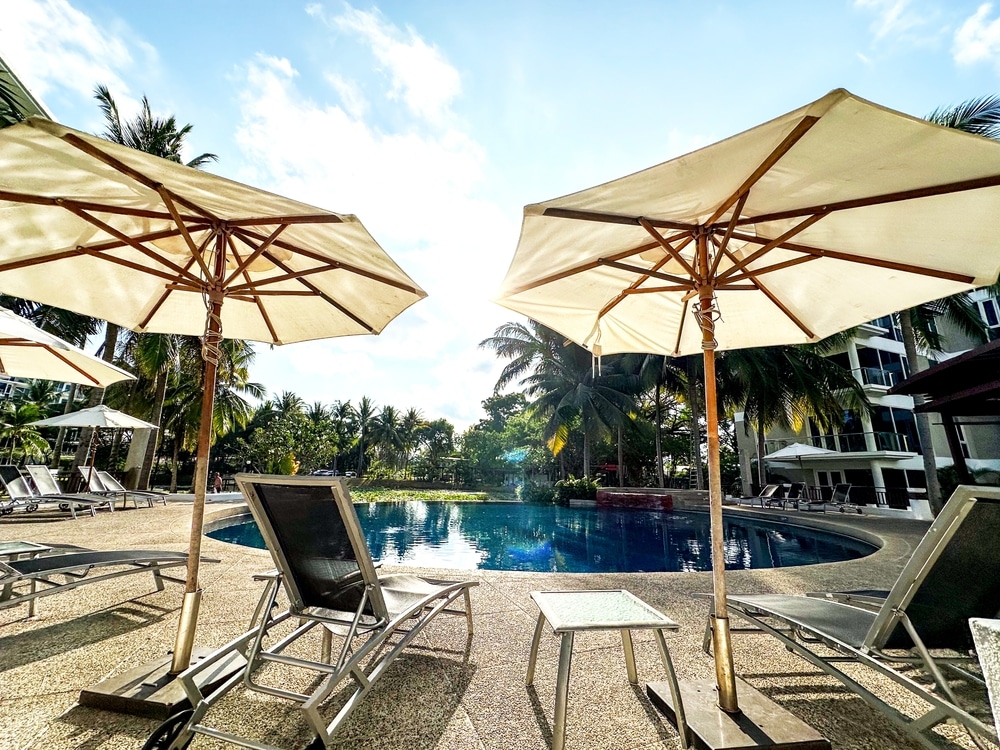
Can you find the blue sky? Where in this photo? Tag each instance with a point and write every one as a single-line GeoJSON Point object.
{"type": "Point", "coordinates": [436, 122]}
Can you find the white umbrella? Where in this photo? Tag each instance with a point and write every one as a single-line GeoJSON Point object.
{"type": "Point", "coordinates": [827, 217]}
{"type": "Point", "coordinates": [96, 416]}
{"type": "Point", "coordinates": [26, 351]}
{"type": "Point", "coordinates": [799, 451]}
{"type": "Point", "coordinates": [152, 245]}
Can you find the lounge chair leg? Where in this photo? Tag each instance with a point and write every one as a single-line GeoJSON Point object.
{"type": "Point", "coordinates": [633, 677]}
{"type": "Point", "coordinates": [533, 654]}
{"type": "Point", "coordinates": [562, 691]}
{"type": "Point", "coordinates": [468, 609]}
{"type": "Point", "coordinates": [326, 649]}
{"type": "Point", "coordinates": [675, 689]}
{"type": "Point", "coordinates": [157, 577]}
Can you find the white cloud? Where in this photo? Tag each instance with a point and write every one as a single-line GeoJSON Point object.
{"type": "Point", "coordinates": [893, 17]}
{"type": "Point", "coordinates": [416, 192]}
{"type": "Point", "coordinates": [978, 38]}
{"type": "Point", "coordinates": [51, 45]}
{"type": "Point", "coordinates": [419, 73]}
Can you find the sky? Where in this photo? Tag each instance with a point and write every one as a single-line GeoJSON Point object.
{"type": "Point", "coordinates": [435, 122]}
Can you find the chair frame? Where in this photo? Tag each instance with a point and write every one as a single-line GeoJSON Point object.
{"type": "Point", "coordinates": [47, 487]}
{"type": "Point", "coordinates": [31, 500]}
{"type": "Point", "coordinates": [767, 494]}
{"type": "Point", "coordinates": [800, 636]}
{"type": "Point", "coordinates": [113, 487]}
{"type": "Point", "coordinates": [388, 633]}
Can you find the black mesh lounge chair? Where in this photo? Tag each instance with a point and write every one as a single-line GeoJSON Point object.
{"type": "Point", "coordinates": [325, 568]}
{"type": "Point", "coordinates": [22, 495]}
{"type": "Point", "coordinates": [785, 499]}
{"type": "Point", "coordinates": [838, 499]}
{"type": "Point", "coordinates": [23, 581]}
{"type": "Point", "coordinates": [113, 486]}
{"type": "Point", "coordinates": [902, 636]}
{"type": "Point", "coordinates": [769, 492]}
{"type": "Point", "coordinates": [46, 486]}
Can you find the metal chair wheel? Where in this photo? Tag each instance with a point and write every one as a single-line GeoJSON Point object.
{"type": "Point", "coordinates": [63, 506]}
{"type": "Point", "coordinates": [6, 511]}
{"type": "Point", "coordinates": [31, 507]}
{"type": "Point", "coordinates": [165, 736]}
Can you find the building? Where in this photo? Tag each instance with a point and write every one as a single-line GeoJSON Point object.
{"type": "Point", "coordinates": [879, 454]}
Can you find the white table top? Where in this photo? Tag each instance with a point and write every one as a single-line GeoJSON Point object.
{"type": "Point", "coordinates": [614, 609]}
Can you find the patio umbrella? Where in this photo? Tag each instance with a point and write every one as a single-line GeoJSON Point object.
{"type": "Point", "coordinates": [26, 351]}
{"type": "Point", "coordinates": [118, 234]}
{"type": "Point", "coordinates": [97, 417]}
{"type": "Point", "coordinates": [827, 217]}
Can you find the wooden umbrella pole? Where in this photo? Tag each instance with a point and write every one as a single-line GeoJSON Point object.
{"type": "Point", "coordinates": [725, 674]}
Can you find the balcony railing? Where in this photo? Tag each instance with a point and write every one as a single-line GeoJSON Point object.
{"type": "Point", "coordinates": [850, 442]}
{"type": "Point", "coordinates": [878, 377]}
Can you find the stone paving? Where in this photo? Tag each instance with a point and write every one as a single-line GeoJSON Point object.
{"type": "Point", "coordinates": [441, 693]}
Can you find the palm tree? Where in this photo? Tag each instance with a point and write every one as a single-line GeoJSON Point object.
{"type": "Point", "coordinates": [19, 431]}
{"type": "Point", "coordinates": [344, 428]}
{"type": "Point", "coordinates": [782, 385]}
{"type": "Point", "coordinates": [364, 416]}
{"type": "Point", "coordinates": [289, 403]}
{"type": "Point", "coordinates": [660, 374]}
{"type": "Point", "coordinates": [981, 117]}
{"type": "Point", "coordinates": [386, 436]}
{"type": "Point", "coordinates": [153, 135]}
{"type": "Point", "coordinates": [410, 427]}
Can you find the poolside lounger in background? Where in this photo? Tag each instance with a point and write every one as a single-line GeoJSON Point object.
{"type": "Point", "coordinates": [23, 581]}
{"type": "Point", "coordinates": [22, 495]}
{"type": "Point", "coordinates": [927, 610]}
{"type": "Point", "coordinates": [46, 486]}
{"type": "Point", "coordinates": [769, 492]}
{"type": "Point", "coordinates": [112, 485]}
{"type": "Point", "coordinates": [839, 500]}
{"type": "Point", "coordinates": [783, 499]}
{"type": "Point", "coordinates": [325, 568]}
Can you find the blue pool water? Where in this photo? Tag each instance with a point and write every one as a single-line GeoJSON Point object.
{"type": "Point", "coordinates": [552, 538]}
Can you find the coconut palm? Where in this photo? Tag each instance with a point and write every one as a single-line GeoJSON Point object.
{"type": "Point", "coordinates": [364, 420]}
{"type": "Point", "coordinates": [662, 375]}
{"type": "Point", "coordinates": [18, 432]}
{"type": "Point", "coordinates": [410, 427]}
{"type": "Point", "coordinates": [980, 117]}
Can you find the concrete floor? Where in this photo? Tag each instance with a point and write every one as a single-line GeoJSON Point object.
{"type": "Point", "coordinates": [437, 695]}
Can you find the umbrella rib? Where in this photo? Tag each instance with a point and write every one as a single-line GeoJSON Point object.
{"type": "Point", "coordinates": [182, 227]}
{"type": "Point", "coordinates": [294, 219]}
{"type": "Point", "coordinates": [135, 174]}
{"type": "Point", "coordinates": [243, 233]}
{"type": "Point", "coordinates": [771, 245]}
{"type": "Point", "coordinates": [722, 248]}
{"type": "Point", "coordinates": [591, 265]}
{"type": "Point", "coordinates": [251, 286]}
{"type": "Point", "coordinates": [675, 254]}
{"type": "Point", "coordinates": [163, 298]}
{"type": "Point", "coordinates": [257, 252]}
{"type": "Point", "coordinates": [781, 306]}
{"type": "Point", "coordinates": [66, 361]}
{"type": "Point", "coordinates": [646, 272]}
{"type": "Point", "coordinates": [863, 259]}
{"type": "Point", "coordinates": [243, 264]}
{"type": "Point", "coordinates": [680, 328]}
{"type": "Point", "coordinates": [901, 195]}
{"type": "Point", "coordinates": [658, 289]}
{"type": "Point", "coordinates": [803, 127]}
{"type": "Point", "coordinates": [610, 218]}
{"type": "Point", "coordinates": [41, 200]}
{"type": "Point", "coordinates": [752, 275]}
{"type": "Point", "coordinates": [325, 297]}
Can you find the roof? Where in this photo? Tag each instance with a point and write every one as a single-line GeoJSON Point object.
{"type": "Point", "coordinates": [967, 385]}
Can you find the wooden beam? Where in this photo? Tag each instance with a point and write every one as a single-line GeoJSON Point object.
{"type": "Point", "coordinates": [741, 264]}
{"type": "Point", "coordinates": [689, 283]}
{"type": "Point", "coordinates": [724, 244]}
{"type": "Point", "coordinates": [605, 217]}
{"type": "Point", "coordinates": [327, 298]}
{"type": "Point", "coordinates": [671, 252]}
{"type": "Point", "coordinates": [182, 228]}
{"type": "Point", "coordinates": [59, 201]}
{"type": "Point", "coordinates": [287, 220]}
{"type": "Point", "coordinates": [258, 250]}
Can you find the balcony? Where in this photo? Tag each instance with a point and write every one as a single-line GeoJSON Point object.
{"type": "Point", "coordinates": [876, 377]}
{"type": "Point", "coordinates": [850, 442]}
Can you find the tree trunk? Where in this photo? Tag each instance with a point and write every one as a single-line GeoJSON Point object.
{"type": "Point", "coordinates": [659, 441]}
{"type": "Point", "coordinates": [96, 396]}
{"type": "Point", "coordinates": [586, 455]}
{"type": "Point", "coordinates": [761, 452]}
{"type": "Point", "coordinates": [61, 437]}
{"type": "Point", "coordinates": [922, 422]}
{"type": "Point", "coordinates": [621, 457]}
{"type": "Point", "coordinates": [174, 465]}
{"type": "Point", "coordinates": [151, 445]}
{"type": "Point", "coordinates": [694, 407]}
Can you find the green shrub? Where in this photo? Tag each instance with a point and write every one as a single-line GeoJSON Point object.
{"type": "Point", "coordinates": [538, 494]}
{"type": "Point", "coordinates": [572, 488]}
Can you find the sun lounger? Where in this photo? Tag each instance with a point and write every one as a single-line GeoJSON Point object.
{"type": "Point", "coordinates": [769, 492]}
{"type": "Point", "coordinates": [22, 495]}
{"type": "Point", "coordinates": [952, 576]}
{"type": "Point", "coordinates": [113, 487]}
{"type": "Point", "coordinates": [783, 500]}
{"type": "Point", "coordinates": [47, 486]}
{"type": "Point", "coordinates": [839, 500]}
{"type": "Point", "coordinates": [23, 581]}
{"type": "Point", "coordinates": [325, 568]}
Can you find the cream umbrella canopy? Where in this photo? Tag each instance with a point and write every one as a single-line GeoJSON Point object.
{"type": "Point", "coordinates": [26, 351]}
{"type": "Point", "coordinates": [832, 215]}
{"type": "Point", "coordinates": [151, 245]}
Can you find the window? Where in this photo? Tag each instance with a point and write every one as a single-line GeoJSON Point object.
{"type": "Point", "coordinates": [891, 325]}
{"type": "Point", "coordinates": [895, 430]}
{"type": "Point", "coordinates": [962, 441]}
{"type": "Point", "coordinates": [990, 310]}
{"type": "Point", "coordinates": [880, 367]}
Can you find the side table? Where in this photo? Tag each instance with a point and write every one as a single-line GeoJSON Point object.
{"type": "Point", "coordinates": [570, 611]}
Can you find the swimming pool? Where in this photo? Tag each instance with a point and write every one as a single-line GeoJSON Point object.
{"type": "Point", "coordinates": [553, 538]}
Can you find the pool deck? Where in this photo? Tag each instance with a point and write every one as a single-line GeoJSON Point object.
{"type": "Point", "coordinates": [439, 694]}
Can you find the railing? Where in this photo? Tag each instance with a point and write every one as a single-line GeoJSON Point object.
{"type": "Point", "coordinates": [849, 442]}
{"type": "Point", "coordinates": [877, 376]}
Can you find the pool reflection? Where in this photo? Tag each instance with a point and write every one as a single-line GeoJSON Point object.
{"type": "Point", "coordinates": [510, 536]}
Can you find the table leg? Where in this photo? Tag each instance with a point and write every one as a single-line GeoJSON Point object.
{"type": "Point", "coordinates": [629, 656]}
{"type": "Point", "coordinates": [675, 690]}
{"type": "Point", "coordinates": [562, 691]}
{"type": "Point", "coordinates": [534, 650]}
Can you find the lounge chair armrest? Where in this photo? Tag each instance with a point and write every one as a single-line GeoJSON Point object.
{"type": "Point", "coordinates": [268, 575]}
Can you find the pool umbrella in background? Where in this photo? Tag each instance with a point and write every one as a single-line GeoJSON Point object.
{"type": "Point", "coordinates": [118, 234]}
{"type": "Point", "coordinates": [26, 351]}
{"type": "Point", "coordinates": [98, 417]}
{"type": "Point", "coordinates": [798, 451]}
{"type": "Point", "coordinates": [827, 217]}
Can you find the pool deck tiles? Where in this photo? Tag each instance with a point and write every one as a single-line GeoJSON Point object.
{"type": "Point", "coordinates": [443, 694]}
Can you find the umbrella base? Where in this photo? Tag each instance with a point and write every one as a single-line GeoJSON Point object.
{"type": "Point", "coordinates": [762, 723]}
{"type": "Point", "coordinates": [150, 690]}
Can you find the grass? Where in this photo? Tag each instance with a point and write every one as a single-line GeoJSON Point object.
{"type": "Point", "coordinates": [387, 495]}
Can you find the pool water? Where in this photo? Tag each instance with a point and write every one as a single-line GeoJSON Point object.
{"type": "Point", "coordinates": [553, 538]}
